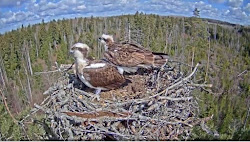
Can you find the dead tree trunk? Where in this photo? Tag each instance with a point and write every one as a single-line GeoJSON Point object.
{"type": "Point", "coordinates": [3, 76]}
{"type": "Point", "coordinates": [37, 41]}
{"type": "Point", "coordinates": [129, 33]}
{"type": "Point", "coordinates": [28, 59]}
{"type": "Point", "coordinates": [182, 57]}
{"type": "Point", "coordinates": [192, 58]}
{"type": "Point", "coordinates": [28, 85]}
{"type": "Point", "coordinates": [166, 42]}
{"type": "Point", "coordinates": [29, 95]}
{"type": "Point", "coordinates": [215, 32]}
{"type": "Point", "coordinates": [208, 56]}
{"type": "Point", "coordinates": [19, 79]}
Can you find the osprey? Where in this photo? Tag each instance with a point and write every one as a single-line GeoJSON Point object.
{"type": "Point", "coordinates": [96, 74]}
{"type": "Point", "coordinates": [129, 57]}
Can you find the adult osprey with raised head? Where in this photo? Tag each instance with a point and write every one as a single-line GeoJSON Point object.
{"type": "Point", "coordinates": [96, 74]}
{"type": "Point", "coordinates": [129, 57]}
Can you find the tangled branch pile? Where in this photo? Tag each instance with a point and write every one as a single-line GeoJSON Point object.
{"type": "Point", "coordinates": [164, 110]}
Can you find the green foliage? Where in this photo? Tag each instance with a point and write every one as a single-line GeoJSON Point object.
{"type": "Point", "coordinates": [62, 53]}
{"type": "Point", "coordinates": [9, 130]}
{"type": "Point", "coordinates": [35, 131]}
{"type": "Point", "coordinates": [181, 38]}
{"type": "Point", "coordinates": [199, 135]}
{"type": "Point", "coordinates": [242, 135]}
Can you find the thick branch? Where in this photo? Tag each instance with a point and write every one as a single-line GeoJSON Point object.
{"type": "Point", "coordinates": [7, 108]}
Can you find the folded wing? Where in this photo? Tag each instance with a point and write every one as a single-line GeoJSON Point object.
{"type": "Point", "coordinates": [103, 75]}
{"type": "Point", "coordinates": [129, 55]}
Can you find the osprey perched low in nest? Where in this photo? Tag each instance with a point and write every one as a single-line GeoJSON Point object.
{"type": "Point", "coordinates": [96, 74]}
{"type": "Point", "coordinates": [129, 57]}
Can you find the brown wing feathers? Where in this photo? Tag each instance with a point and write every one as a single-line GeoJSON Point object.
{"type": "Point", "coordinates": [160, 58]}
{"type": "Point", "coordinates": [105, 77]}
{"type": "Point", "coordinates": [131, 55]}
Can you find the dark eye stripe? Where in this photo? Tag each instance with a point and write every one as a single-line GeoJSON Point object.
{"type": "Point", "coordinates": [78, 48]}
{"type": "Point", "coordinates": [103, 38]}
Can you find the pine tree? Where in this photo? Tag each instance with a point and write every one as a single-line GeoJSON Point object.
{"type": "Point", "coordinates": [196, 13]}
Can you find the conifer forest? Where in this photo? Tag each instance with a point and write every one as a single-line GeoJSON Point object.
{"type": "Point", "coordinates": [222, 49]}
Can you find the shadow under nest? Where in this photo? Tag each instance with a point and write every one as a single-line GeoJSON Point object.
{"type": "Point", "coordinates": [157, 105]}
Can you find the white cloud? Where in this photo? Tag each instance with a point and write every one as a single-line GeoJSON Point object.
{"type": "Point", "coordinates": [13, 17]}
{"type": "Point", "coordinates": [124, 1]}
{"type": "Point", "coordinates": [207, 10]}
{"type": "Point", "coordinates": [180, 7]}
{"type": "Point", "coordinates": [169, 6]}
{"type": "Point", "coordinates": [227, 12]}
{"type": "Point", "coordinates": [18, 3]}
{"type": "Point", "coordinates": [80, 8]}
{"type": "Point", "coordinates": [200, 3]}
{"type": "Point", "coordinates": [11, 3]}
{"type": "Point", "coordinates": [237, 15]}
{"type": "Point", "coordinates": [247, 8]}
{"type": "Point", "coordinates": [235, 3]}
{"type": "Point", "coordinates": [36, 10]}
{"type": "Point", "coordinates": [45, 7]}
{"type": "Point", "coordinates": [216, 1]}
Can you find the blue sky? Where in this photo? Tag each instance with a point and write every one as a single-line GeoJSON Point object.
{"type": "Point", "coordinates": [14, 13]}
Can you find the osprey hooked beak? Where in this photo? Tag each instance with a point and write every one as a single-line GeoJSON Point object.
{"type": "Point", "coordinates": [71, 51]}
{"type": "Point", "coordinates": [102, 40]}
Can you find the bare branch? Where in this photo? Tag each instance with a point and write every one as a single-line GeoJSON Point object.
{"type": "Point", "coordinates": [62, 68]}
{"type": "Point", "coordinates": [178, 83]}
{"type": "Point", "coordinates": [245, 71]}
{"type": "Point", "coordinates": [7, 108]}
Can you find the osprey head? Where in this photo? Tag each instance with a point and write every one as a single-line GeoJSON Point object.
{"type": "Point", "coordinates": [106, 39]}
{"type": "Point", "coordinates": [79, 50]}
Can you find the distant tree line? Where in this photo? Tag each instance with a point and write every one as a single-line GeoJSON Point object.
{"type": "Point", "coordinates": [223, 51]}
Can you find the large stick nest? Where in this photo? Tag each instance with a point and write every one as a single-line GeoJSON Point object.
{"type": "Point", "coordinates": [153, 106]}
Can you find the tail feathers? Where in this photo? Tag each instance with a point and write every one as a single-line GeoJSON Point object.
{"type": "Point", "coordinates": [160, 58]}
